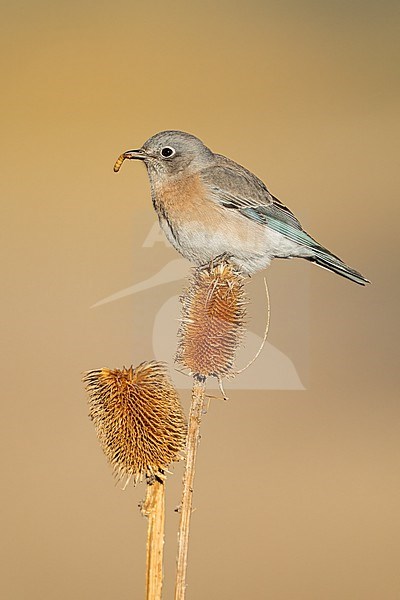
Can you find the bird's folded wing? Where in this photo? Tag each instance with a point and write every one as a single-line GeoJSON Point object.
{"type": "Point", "coordinates": [235, 188]}
{"type": "Point", "coordinates": [243, 192]}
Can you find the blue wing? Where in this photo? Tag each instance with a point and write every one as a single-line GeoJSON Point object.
{"type": "Point", "coordinates": [235, 188]}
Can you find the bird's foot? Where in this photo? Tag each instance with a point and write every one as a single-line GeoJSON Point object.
{"type": "Point", "coordinates": [214, 262]}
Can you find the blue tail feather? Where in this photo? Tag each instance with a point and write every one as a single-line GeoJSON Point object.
{"type": "Point", "coordinates": [327, 260]}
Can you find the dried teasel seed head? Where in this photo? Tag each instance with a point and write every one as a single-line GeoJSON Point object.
{"type": "Point", "coordinates": [138, 418]}
{"type": "Point", "coordinates": [212, 325]}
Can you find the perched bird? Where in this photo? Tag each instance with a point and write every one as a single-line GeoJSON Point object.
{"type": "Point", "coordinates": [209, 207]}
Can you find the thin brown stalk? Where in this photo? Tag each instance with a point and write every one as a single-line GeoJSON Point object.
{"type": "Point", "coordinates": [154, 509]}
{"type": "Point", "coordinates": [193, 437]}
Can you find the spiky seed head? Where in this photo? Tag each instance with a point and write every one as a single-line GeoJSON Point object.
{"type": "Point", "coordinates": [212, 324]}
{"type": "Point", "coordinates": [138, 418]}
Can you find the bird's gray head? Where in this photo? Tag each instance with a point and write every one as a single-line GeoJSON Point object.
{"type": "Point", "coordinates": [170, 153]}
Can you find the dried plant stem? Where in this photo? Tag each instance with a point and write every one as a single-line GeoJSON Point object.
{"type": "Point", "coordinates": [154, 509]}
{"type": "Point", "coordinates": [265, 333]}
{"type": "Point", "coordinates": [193, 437]}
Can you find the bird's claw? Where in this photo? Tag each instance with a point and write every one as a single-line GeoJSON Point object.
{"type": "Point", "coordinates": [214, 262]}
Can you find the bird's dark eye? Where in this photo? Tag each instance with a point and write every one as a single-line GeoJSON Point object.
{"type": "Point", "coordinates": [167, 151]}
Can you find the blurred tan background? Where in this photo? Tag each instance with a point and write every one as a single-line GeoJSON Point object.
{"type": "Point", "coordinates": [297, 492]}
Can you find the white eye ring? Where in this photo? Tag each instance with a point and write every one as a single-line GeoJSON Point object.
{"type": "Point", "coordinates": [167, 152]}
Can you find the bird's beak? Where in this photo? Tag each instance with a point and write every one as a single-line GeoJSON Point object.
{"type": "Point", "coordinates": [135, 154]}
{"type": "Point", "coordinates": [130, 154]}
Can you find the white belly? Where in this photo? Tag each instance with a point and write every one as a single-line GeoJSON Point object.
{"type": "Point", "coordinates": [251, 247]}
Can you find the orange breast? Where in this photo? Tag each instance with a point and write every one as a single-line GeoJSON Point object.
{"type": "Point", "coordinates": [184, 199]}
{"type": "Point", "coordinates": [185, 205]}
